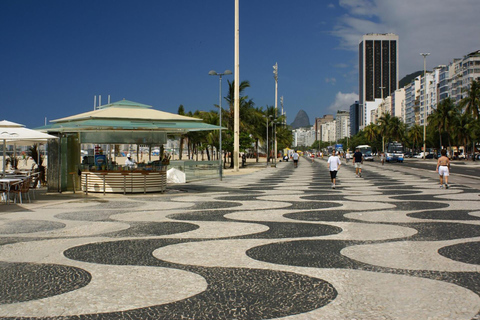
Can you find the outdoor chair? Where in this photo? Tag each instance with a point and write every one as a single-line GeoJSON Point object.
{"type": "Point", "coordinates": [21, 188]}
{"type": "Point", "coordinates": [3, 192]}
{"type": "Point", "coordinates": [35, 182]}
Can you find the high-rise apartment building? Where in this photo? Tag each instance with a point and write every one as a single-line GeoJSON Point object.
{"type": "Point", "coordinates": [355, 116]}
{"type": "Point", "coordinates": [342, 129]}
{"type": "Point", "coordinates": [378, 71]}
{"type": "Point", "coordinates": [318, 125]}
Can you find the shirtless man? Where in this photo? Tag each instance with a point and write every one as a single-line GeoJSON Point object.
{"type": "Point", "coordinates": [443, 168]}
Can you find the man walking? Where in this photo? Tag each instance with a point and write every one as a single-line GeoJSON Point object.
{"type": "Point", "coordinates": [334, 165]}
{"type": "Point", "coordinates": [443, 168]}
{"type": "Point", "coordinates": [295, 159]}
{"type": "Point", "coordinates": [358, 161]}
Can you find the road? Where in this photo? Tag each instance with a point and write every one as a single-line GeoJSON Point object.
{"type": "Point", "coordinates": [465, 172]}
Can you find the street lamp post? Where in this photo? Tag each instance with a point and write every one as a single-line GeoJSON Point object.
{"type": "Point", "coordinates": [273, 140]}
{"type": "Point", "coordinates": [214, 73]}
{"type": "Point", "coordinates": [383, 136]}
{"type": "Point", "coordinates": [424, 103]}
{"type": "Point", "coordinates": [275, 75]}
{"type": "Point", "coordinates": [266, 144]}
{"type": "Point", "coordinates": [275, 133]}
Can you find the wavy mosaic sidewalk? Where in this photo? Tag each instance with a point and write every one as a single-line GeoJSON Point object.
{"type": "Point", "coordinates": [276, 244]}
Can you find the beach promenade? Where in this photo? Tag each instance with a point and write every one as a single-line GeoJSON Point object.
{"type": "Point", "coordinates": [264, 243]}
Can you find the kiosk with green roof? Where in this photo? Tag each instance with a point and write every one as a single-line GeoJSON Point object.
{"type": "Point", "coordinates": [121, 122]}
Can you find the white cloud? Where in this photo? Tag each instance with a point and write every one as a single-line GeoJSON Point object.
{"type": "Point", "coordinates": [445, 28]}
{"type": "Point", "coordinates": [343, 101]}
{"type": "Point", "coordinates": [331, 80]}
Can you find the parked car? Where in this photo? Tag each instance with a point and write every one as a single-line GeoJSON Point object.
{"type": "Point", "coordinates": [419, 156]}
{"type": "Point", "coordinates": [368, 156]}
{"type": "Point", "coordinates": [429, 156]}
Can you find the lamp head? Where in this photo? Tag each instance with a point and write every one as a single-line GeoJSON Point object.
{"type": "Point", "coordinates": [227, 72]}
{"type": "Point", "coordinates": [212, 73]}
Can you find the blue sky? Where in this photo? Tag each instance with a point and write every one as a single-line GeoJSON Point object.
{"type": "Point", "coordinates": [56, 56]}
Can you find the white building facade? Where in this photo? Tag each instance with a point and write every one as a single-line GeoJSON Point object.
{"type": "Point", "coordinates": [303, 137]}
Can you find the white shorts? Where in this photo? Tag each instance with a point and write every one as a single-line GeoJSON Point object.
{"type": "Point", "coordinates": [358, 165]}
{"type": "Point", "coordinates": [443, 171]}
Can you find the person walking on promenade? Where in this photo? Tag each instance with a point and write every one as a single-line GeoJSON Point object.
{"type": "Point", "coordinates": [358, 161]}
{"type": "Point", "coordinates": [295, 159]}
{"type": "Point", "coordinates": [382, 158]}
{"type": "Point", "coordinates": [334, 165]}
{"type": "Point", "coordinates": [443, 168]}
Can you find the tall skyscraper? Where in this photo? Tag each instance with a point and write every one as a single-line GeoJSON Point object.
{"type": "Point", "coordinates": [378, 71]}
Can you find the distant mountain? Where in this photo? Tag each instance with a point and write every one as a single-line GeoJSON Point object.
{"type": "Point", "coordinates": [408, 78]}
{"type": "Point", "coordinates": [301, 120]}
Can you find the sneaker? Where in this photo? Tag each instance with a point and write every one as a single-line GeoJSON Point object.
{"type": "Point", "coordinates": [446, 186]}
{"type": "Point", "coordinates": [441, 186]}
{"type": "Point", "coordinates": [333, 186]}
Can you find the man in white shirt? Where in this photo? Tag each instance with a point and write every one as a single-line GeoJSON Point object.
{"type": "Point", "coordinates": [334, 165]}
{"type": "Point", "coordinates": [295, 159]}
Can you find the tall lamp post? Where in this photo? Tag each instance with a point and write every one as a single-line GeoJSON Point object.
{"type": "Point", "coordinates": [424, 103]}
{"type": "Point", "coordinates": [383, 136]}
{"type": "Point", "coordinates": [275, 134]}
{"type": "Point", "coordinates": [275, 75]}
{"type": "Point", "coordinates": [214, 73]}
{"type": "Point", "coordinates": [266, 144]}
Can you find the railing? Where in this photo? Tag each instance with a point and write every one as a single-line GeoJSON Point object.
{"type": "Point", "coordinates": [197, 170]}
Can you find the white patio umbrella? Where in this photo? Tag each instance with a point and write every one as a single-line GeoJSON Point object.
{"type": "Point", "coordinates": [11, 132]}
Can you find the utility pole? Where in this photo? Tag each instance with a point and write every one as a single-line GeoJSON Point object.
{"type": "Point", "coordinates": [275, 75]}
{"type": "Point", "coordinates": [236, 129]}
{"type": "Point", "coordinates": [424, 104]}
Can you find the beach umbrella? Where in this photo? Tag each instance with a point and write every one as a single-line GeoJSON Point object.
{"type": "Point", "coordinates": [11, 132]}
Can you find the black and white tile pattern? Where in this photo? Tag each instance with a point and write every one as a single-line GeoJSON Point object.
{"type": "Point", "coordinates": [279, 243]}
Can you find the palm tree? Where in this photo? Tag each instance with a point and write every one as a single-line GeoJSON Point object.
{"type": "Point", "coordinates": [257, 128]}
{"type": "Point", "coordinates": [471, 104]}
{"type": "Point", "coordinates": [371, 132]}
{"type": "Point", "coordinates": [442, 117]}
{"type": "Point", "coordinates": [415, 135]}
{"type": "Point", "coordinates": [244, 103]}
{"type": "Point", "coordinates": [461, 128]}
{"type": "Point", "coordinates": [396, 129]}
{"type": "Point", "coordinates": [383, 127]}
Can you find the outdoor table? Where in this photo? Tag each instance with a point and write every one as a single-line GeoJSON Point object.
{"type": "Point", "coordinates": [8, 182]}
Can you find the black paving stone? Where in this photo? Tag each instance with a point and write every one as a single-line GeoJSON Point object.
{"type": "Point", "coordinates": [21, 282]}
{"type": "Point", "coordinates": [444, 215]}
{"type": "Point", "coordinates": [414, 204]}
{"type": "Point", "coordinates": [297, 205]}
{"type": "Point", "coordinates": [203, 215]}
{"type": "Point", "coordinates": [330, 215]}
{"type": "Point", "coordinates": [443, 231]}
{"type": "Point", "coordinates": [463, 252]}
{"type": "Point", "coordinates": [232, 293]}
{"type": "Point", "coordinates": [278, 230]}
{"type": "Point", "coordinates": [148, 229]}
{"type": "Point", "coordinates": [215, 205]}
